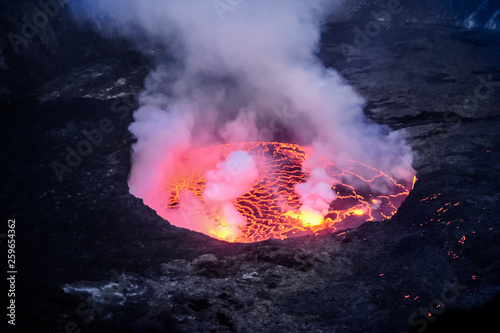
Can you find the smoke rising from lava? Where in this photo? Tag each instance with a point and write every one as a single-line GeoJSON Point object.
{"type": "Point", "coordinates": [316, 194]}
{"type": "Point", "coordinates": [231, 179]}
{"type": "Point", "coordinates": [219, 82]}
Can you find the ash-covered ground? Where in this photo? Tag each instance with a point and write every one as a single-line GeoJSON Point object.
{"type": "Point", "coordinates": [92, 257]}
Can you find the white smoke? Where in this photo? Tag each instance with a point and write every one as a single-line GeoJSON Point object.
{"type": "Point", "coordinates": [231, 179]}
{"type": "Point", "coordinates": [316, 195]}
{"type": "Point", "coordinates": [224, 69]}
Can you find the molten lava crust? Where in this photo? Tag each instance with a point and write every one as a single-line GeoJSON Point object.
{"type": "Point", "coordinates": [271, 207]}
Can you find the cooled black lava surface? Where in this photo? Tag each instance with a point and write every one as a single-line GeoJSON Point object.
{"type": "Point", "coordinates": [92, 256]}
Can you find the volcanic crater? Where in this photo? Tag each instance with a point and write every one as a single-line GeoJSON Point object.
{"type": "Point", "coordinates": [96, 258]}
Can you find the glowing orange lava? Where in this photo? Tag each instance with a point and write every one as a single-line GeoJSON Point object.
{"type": "Point", "coordinates": [272, 206]}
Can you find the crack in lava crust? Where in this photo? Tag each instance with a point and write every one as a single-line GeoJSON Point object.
{"type": "Point", "coordinates": [272, 205]}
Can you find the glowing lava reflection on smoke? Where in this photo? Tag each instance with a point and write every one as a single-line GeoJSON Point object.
{"type": "Point", "coordinates": [272, 206]}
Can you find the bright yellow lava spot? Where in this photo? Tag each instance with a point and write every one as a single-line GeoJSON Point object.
{"type": "Point", "coordinates": [311, 219]}
{"type": "Point", "coordinates": [308, 218]}
{"type": "Point", "coordinates": [358, 212]}
{"type": "Point", "coordinates": [223, 232]}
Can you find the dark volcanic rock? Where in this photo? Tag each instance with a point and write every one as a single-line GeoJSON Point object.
{"type": "Point", "coordinates": [92, 256]}
{"type": "Point", "coordinates": [35, 55]}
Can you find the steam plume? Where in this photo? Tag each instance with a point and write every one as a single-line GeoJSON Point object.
{"type": "Point", "coordinates": [225, 68]}
{"type": "Point", "coordinates": [231, 179]}
{"type": "Point", "coordinates": [316, 195]}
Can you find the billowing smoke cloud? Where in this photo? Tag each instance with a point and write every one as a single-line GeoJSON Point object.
{"type": "Point", "coordinates": [240, 71]}
{"type": "Point", "coordinates": [231, 179]}
{"type": "Point", "coordinates": [316, 195]}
